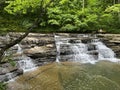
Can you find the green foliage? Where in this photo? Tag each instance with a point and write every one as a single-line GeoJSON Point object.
{"type": "Point", "coordinates": [64, 15]}
{"type": "Point", "coordinates": [9, 58]}
{"type": "Point", "coordinates": [2, 86]}
{"type": "Point", "coordinates": [24, 6]}
{"type": "Point", "coordinates": [26, 23]}
{"type": "Point", "coordinates": [21, 6]}
{"type": "Point", "coordinates": [68, 27]}
{"type": "Point", "coordinates": [13, 63]}
{"type": "Point", "coordinates": [106, 19]}
{"type": "Point", "coordinates": [113, 9]}
{"type": "Point", "coordinates": [53, 22]}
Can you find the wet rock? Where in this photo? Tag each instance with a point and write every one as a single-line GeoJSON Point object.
{"type": "Point", "coordinates": [65, 49]}
{"type": "Point", "coordinates": [86, 40]}
{"type": "Point", "coordinates": [38, 52]}
{"type": "Point", "coordinates": [18, 72]}
{"type": "Point", "coordinates": [11, 75]}
{"type": "Point", "coordinates": [94, 53]}
{"type": "Point", "coordinates": [44, 60]}
{"type": "Point", "coordinates": [91, 47]}
{"type": "Point", "coordinates": [8, 71]}
{"type": "Point", "coordinates": [38, 39]}
{"type": "Point", "coordinates": [72, 41]}
{"type": "Point", "coordinates": [66, 58]}
{"type": "Point", "coordinates": [7, 67]}
{"type": "Point", "coordinates": [40, 47]}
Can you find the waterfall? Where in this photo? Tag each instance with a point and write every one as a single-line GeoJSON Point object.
{"type": "Point", "coordinates": [58, 42]}
{"type": "Point", "coordinates": [19, 50]}
{"type": "Point", "coordinates": [58, 52]}
{"type": "Point", "coordinates": [105, 53]}
{"type": "Point", "coordinates": [9, 76]}
{"type": "Point", "coordinates": [90, 51]}
{"type": "Point", "coordinates": [58, 48]}
{"type": "Point", "coordinates": [80, 53]}
{"type": "Point", "coordinates": [24, 62]}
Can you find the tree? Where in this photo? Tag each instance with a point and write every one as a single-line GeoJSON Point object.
{"type": "Point", "coordinates": [115, 11]}
{"type": "Point", "coordinates": [18, 6]}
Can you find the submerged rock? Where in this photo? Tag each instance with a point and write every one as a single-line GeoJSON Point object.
{"type": "Point", "coordinates": [42, 49]}
{"type": "Point", "coordinates": [70, 76]}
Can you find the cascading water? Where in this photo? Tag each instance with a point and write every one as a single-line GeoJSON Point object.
{"type": "Point", "coordinates": [59, 41]}
{"type": "Point", "coordinates": [105, 53]}
{"type": "Point", "coordinates": [80, 53]}
{"type": "Point", "coordinates": [25, 62]}
{"type": "Point", "coordinates": [92, 51]}
{"type": "Point", "coordinates": [58, 48]}
{"type": "Point", "coordinates": [9, 76]}
{"type": "Point", "coordinates": [19, 50]}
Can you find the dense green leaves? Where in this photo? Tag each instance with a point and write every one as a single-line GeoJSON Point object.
{"type": "Point", "coordinates": [113, 9]}
{"type": "Point", "coordinates": [2, 86]}
{"type": "Point", "coordinates": [69, 15]}
{"type": "Point", "coordinates": [24, 6]}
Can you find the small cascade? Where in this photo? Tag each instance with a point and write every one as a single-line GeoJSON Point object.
{"type": "Point", "coordinates": [105, 53]}
{"type": "Point", "coordinates": [19, 50]}
{"type": "Point", "coordinates": [24, 62]}
{"type": "Point", "coordinates": [80, 53]}
{"type": "Point", "coordinates": [76, 49]}
{"type": "Point", "coordinates": [58, 42]}
{"type": "Point", "coordinates": [7, 37]}
{"type": "Point", "coordinates": [58, 48]}
{"type": "Point", "coordinates": [58, 52]}
{"type": "Point", "coordinates": [9, 76]}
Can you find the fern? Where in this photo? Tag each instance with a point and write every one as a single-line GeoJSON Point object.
{"type": "Point", "coordinates": [68, 27]}
{"type": "Point", "coordinates": [53, 22]}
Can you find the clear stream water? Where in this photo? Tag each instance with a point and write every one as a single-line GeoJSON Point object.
{"type": "Point", "coordinates": [91, 66]}
{"type": "Point", "coordinates": [103, 75]}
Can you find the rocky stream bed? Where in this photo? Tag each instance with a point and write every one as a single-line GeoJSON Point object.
{"type": "Point", "coordinates": [41, 49]}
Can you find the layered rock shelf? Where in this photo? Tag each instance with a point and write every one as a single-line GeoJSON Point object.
{"type": "Point", "coordinates": [41, 49]}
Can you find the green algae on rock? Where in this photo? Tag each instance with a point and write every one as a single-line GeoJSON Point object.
{"type": "Point", "coordinates": [67, 76]}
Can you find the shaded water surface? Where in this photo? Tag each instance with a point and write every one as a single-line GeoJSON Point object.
{"type": "Point", "coordinates": [103, 75]}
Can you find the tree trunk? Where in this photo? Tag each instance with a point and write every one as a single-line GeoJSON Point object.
{"type": "Point", "coordinates": [83, 6]}
{"type": "Point", "coordinates": [113, 2]}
